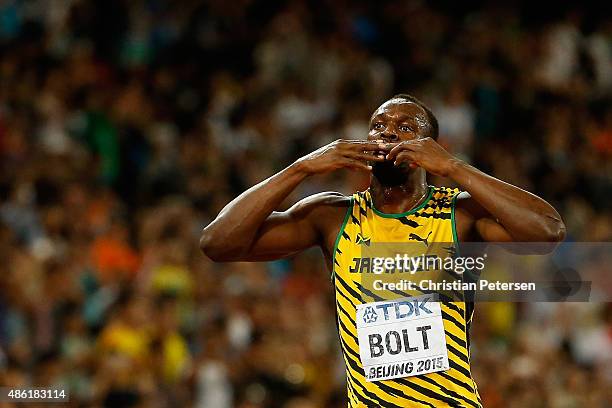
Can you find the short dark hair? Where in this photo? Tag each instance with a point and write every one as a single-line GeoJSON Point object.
{"type": "Point", "coordinates": [434, 128]}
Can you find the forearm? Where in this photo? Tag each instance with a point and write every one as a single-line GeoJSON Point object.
{"type": "Point", "coordinates": [525, 216]}
{"type": "Point", "coordinates": [236, 226]}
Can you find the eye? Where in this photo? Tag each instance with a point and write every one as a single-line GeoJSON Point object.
{"type": "Point", "coordinates": [378, 125]}
{"type": "Point", "coordinates": [406, 128]}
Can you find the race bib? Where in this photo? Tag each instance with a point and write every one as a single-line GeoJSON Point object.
{"type": "Point", "coordinates": [401, 338]}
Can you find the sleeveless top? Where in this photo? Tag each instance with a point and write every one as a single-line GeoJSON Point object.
{"type": "Point", "coordinates": [433, 221]}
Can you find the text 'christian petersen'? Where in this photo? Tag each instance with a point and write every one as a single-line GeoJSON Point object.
{"type": "Point", "coordinates": [444, 285]}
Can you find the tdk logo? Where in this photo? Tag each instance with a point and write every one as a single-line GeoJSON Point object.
{"type": "Point", "coordinates": [370, 315]}
{"type": "Point", "coordinates": [404, 309]}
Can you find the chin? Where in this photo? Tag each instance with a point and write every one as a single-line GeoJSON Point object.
{"type": "Point", "coordinates": [389, 175]}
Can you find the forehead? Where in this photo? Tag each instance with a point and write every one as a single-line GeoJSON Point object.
{"type": "Point", "coordinates": [399, 107]}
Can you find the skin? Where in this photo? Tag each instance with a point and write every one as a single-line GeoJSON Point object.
{"type": "Point", "coordinates": [249, 228]}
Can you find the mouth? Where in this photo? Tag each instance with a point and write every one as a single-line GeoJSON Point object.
{"type": "Point", "coordinates": [390, 175]}
{"type": "Point", "coordinates": [380, 154]}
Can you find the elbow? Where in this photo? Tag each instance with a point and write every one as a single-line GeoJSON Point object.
{"type": "Point", "coordinates": [552, 235]}
{"type": "Point", "coordinates": [555, 232]}
{"type": "Point", "coordinates": [216, 248]}
{"type": "Point", "coordinates": [211, 247]}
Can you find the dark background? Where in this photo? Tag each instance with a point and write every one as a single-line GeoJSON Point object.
{"type": "Point", "coordinates": [125, 126]}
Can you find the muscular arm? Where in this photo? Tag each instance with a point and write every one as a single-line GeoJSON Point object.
{"type": "Point", "coordinates": [501, 212]}
{"type": "Point", "coordinates": [249, 228]}
{"type": "Point", "coordinates": [492, 210]}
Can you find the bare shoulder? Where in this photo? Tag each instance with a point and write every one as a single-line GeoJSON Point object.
{"type": "Point", "coordinates": [324, 212]}
{"type": "Point", "coordinates": [467, 206]}
{"type": "Point", "coordinates": [328, 203]}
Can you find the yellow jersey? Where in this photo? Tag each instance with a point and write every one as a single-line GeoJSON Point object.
{"type": "Point", "coordinates": [431, 222]}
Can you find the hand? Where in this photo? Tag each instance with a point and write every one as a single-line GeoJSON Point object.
{"type": "Point", "coordinates": [425, 153]}
{"type": "Point", "coordinates": [343, 153]}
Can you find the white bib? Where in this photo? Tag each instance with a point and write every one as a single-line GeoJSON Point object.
{"type": "Point", "coordinates": [401, 338]}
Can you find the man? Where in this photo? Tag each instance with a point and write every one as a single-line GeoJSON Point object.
{"type": "Point", "coordinates": [399, 206]}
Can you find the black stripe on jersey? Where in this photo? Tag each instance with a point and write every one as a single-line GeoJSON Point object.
{"type": "Point", "coordinates": [450, 318]}
{"type": "Point", "coordinates": [396, 393]}
{"type": "Point", "coordinates": [351, 394]}
{"type": "Point", "coordinates": [451, 394]}
{"type": "Point", "coordinates": [455, 366]}
{"type": "Point", "coordinates": [347, 299]}
{"type": "Point", "coordinates": [400, 394]}
{"type": "Point", "coordinates": [343, 326]}
{"type": "Point", "coordinates": [453, 307]}
{"type": "Point", "coordinates": [356, 397]}
{"type": "Point", "coordinates": [409, 222]}
{"type": "Point", "coordinates": [440, 204]}
{"type": "Point", "coordinates": [354, 219]}
{"type": "Point", "coordinates": [369, 293]}
{"type": "Point", "coordinates": [345, 235]}
{"type": "Point", "coordinates": [458, 354]}
{"type": "Point", "coordinates": [351, 379]}
{"type": "Point", "coordinates": [460, 342]}
{"type": "Point", "coordinates": [404, 294]}
{"type": "Point", "coordinates": [350, 290]}
{"type": "Point", "coordinates": [443, 202]}
{"type": "Point", "coordinates": [365, 394]}
{"type": "Point", "coordinates": [427, 392]}
{"type": "Point", "coordinates": [458, 382]}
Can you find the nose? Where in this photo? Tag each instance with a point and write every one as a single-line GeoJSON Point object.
{"type": "Point", "coordinates": [389, 137]}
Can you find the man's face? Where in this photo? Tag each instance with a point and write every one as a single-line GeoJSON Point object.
{"type": "Point", "coordinates": [396, 120]}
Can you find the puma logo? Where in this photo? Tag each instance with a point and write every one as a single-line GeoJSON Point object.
{"type": "Point", "coordinates": [418, 238]}
{"type": "Point", "coordinates": [361, 240]}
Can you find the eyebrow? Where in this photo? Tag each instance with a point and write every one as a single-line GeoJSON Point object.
{"type": "Point", "coordinates": [403, 117]}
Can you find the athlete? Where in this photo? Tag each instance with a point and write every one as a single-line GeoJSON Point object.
{"type": "Point", "coordinates": [399, 206]}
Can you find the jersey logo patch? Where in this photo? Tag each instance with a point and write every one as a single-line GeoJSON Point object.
{"type": "Point", "coordinates": [370, 315]}
{"type": "Point", "coordinates": [415, 237]}
{"type": "Point", "coordinates": [362, 240]}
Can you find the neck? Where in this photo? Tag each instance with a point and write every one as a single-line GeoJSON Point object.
{"type": "Point", "coordinates": [402, 198]}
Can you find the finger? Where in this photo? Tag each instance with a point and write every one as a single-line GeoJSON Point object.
{"type": "Point", "coordinates": [404, 157]}
{"type": "Point", "coordinates": [366, 156]}
{"type": "Point", "coordinates": [365, 145]}
{"type": "Point", "coordinates": [387, 147]}
{"type": "Point", "coordinates": [407, 145]}
{"type": "Point", "coordinates": [382, 152]}
{"type": "Point", "coordinates": [356, 164]}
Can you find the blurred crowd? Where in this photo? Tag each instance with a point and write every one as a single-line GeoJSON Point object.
{"type": "Point", "coordinates": [125, 126]}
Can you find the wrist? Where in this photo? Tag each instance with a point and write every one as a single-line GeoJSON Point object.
{"type": "Point", "coordinates": [299, 169]}
{"type": "Point", "coordinates": [454, 167]}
